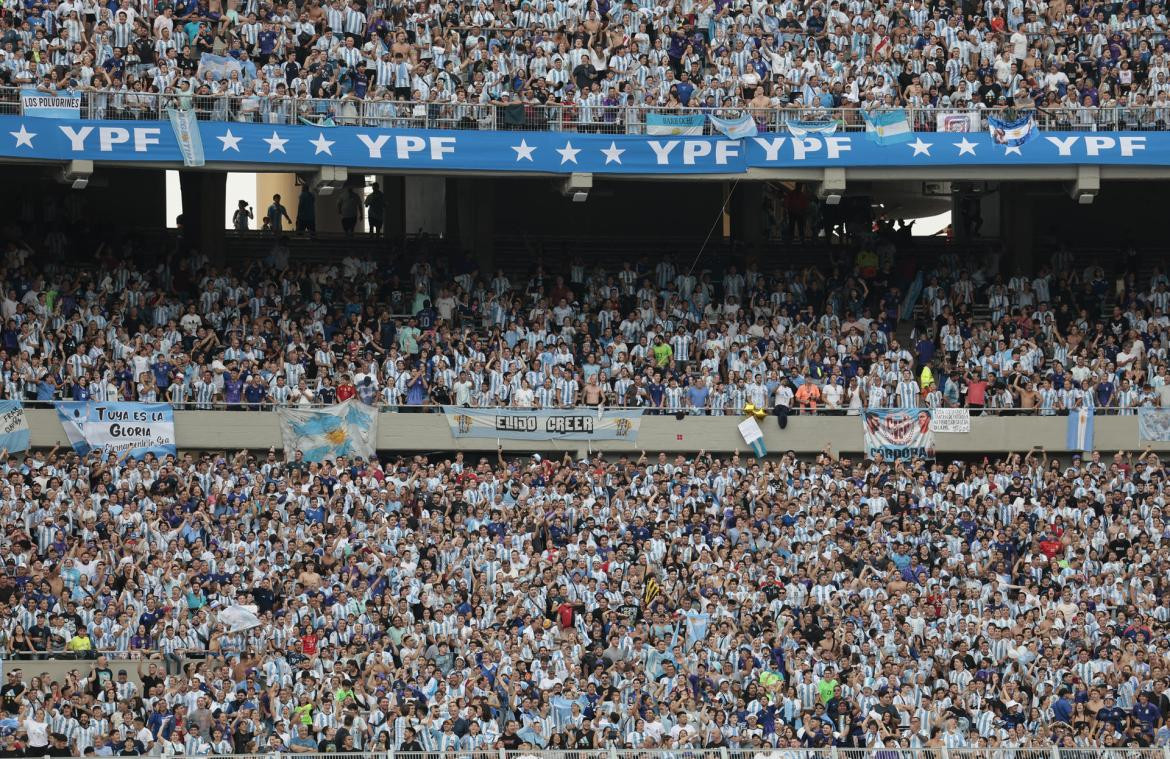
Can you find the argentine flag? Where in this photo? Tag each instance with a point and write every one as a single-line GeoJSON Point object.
{"type": "Point", "coordinates": [801, 129]}
{"type": "Point", "coordinates": [736, 129]}
{"type": "Point", "coordinates": [887, 127]}
{"type": "Point", "coordinates": [1080, 430]}
{"type": "Point", "coordinates": [347, 429]}
{"type": "Point", "coordinates": [1014, 133]}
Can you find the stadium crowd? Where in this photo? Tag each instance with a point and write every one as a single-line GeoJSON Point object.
{"type": "Point", "coordinates": [655, 335]}
{"type": "Point", "coordinates": [473, 604]}
{"type": "Point", "coordinates": [251, 59]}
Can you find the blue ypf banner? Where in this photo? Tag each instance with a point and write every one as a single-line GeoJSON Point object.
{"type": "Point", "coordinates": [227, 143]}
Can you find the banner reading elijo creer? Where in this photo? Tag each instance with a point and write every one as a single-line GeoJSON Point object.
{"type": "Point", "coordinates": [118, 428]}
{"type": "Point", "coordinates": [543, 424]}
{"type": "Point", "coordinates": [902, 433]}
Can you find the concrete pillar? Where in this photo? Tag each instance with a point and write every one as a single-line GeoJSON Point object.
{"type": "Point", "coordinates": [1016, 227]}
{"type": "Point", "coordinates": [426, 205]}
{"type": "Point", "coordinates": [204, 201]}
{"type": "Point", "coordinates": [394, 188]}
{"type": "Point", "coordinates": [282, 184]}
{"type": "Point", "coordinates": [108, 204]}
{"type": "Point", "coordinates": [747, 214]}
{"type": "Point", "coordinates": [477, 219]}
{"type": "Point", "coordinates": [328, 218]}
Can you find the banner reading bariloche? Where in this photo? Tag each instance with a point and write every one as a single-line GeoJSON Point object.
{"type": "Point", "coordinates": [542, 424]}
{"type": "Point", "coordinates": [14, 435]}
{"type": "Point", "coordinates": [119, 428]}
{"type": "Point", "coordinates": [1154, 425]}
{"type": "Point", "coordinates": [347, 429]}
{"type": "Point", "coordinates": [898, 433]}
{"type": "Point", "coordinates": [657, 123]}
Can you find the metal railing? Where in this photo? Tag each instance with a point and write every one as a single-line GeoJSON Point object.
{"type": "Point", "coordinates": [385, 112]}
{"type": "Point", "coordinates": [795, 410]}
{"type": "Point", "coordinates": [1000, 752]}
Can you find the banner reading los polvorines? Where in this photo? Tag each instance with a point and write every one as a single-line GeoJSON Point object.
{"type": "Point", "coordinates": [898, 433]}
{"type": "Point", "coordinates": [543, 424]}
{"type": "Point", "coordinates": [118, 428]}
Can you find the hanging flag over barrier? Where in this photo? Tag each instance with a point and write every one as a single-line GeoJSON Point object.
{"type": "Point", "coordinates": [186, 128]}
{"type": "Point", "coordinates": [737, 128]}
{"type": "Point", "coordinates": [957, 122]}
{"type": "Point", "coordinates": [14, 435]}
{"type": "Point", "coordinates": [50, 105]}
{"type": "Point", "coordinates": [1154, 425]}
{"type": "Point", "coordinates": [1080, 430]}
{"type": "Point", "coordinates": [1014, 133]}
{"type": "Point", "coordinates": [798, 128]}
{"type": "Point", "coordinates": [543, 424]}
{"type": "Point", "coordinates": [887, 127]}
{"type": "Point", "coordinates": [898, 433]}
{"type": "Point", "coordinates": [136, 429]}
{"type": "Point", "coordinates": [347, 429]}
{"type": "Point", "coordinates": [665, 123]}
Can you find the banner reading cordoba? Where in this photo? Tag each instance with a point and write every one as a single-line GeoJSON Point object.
{"type": "Point", "coordinates": [1154, 425]}
{"type": "Point", "coordinates": [898, 433]}
{"type": "Point", "coordinates": [117, 428]}
{"type": "Point", "coordinates": [543, 424]}
{"type": "Point", "coordinates": [347, 429]}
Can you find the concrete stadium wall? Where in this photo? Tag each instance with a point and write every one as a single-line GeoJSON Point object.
{"type": "Point", "coordinates": [234, 430]}
{"type": "Point", "coordinates": [50, 670]}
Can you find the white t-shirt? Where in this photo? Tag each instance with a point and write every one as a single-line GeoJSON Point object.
{"type": "Point", "coordinates": [1019, 42]}
{"type": "Point", "coordinates": [462, 392]}
{"type": "Point", "coordinates": [38, 732]}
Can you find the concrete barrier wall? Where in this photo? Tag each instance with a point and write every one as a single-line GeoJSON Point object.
{"type": "Point", "coordinates": [234, 430]}
{"type": "Point", "coordinates": [50, 670]}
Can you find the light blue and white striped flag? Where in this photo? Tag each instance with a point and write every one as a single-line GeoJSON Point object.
{"type": "Point", "coordinates": [799, 129]}
{"type": "Point", "coordinates": [1080, 430]}
{"type": "Point", "coordinates": [737, 128]}
{"type": "Point", "coordinates": [186, 129]}
{"type": "Point", "coordinates": [887, 127]}
{"type": "Point", "coordinates": [14, 434]}
{"type": "Point", "coordinates": [1012, 134]}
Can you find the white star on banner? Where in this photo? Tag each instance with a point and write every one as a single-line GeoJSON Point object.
{"type": "Point", "coordinates": [23, 137]}
{"type": "Point", "coordinates": [322, 145]}
{"type": "Point", "coordinates": [524, 151]}
{"type": "Point", "coordinates": [920, 147]}
{"type": "Point", "coordinates": [965, 146]}
{"type": "Point", "coordinates": [613, 154]}
{"type": "Point", "coordinates": [568, 153]}
{"type": "Point", "coordinates": [1012, 150]}
{"type": "Point", "coordinates": [275, 143]}
{"type": "Point", "coordinates": [230, 141]}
